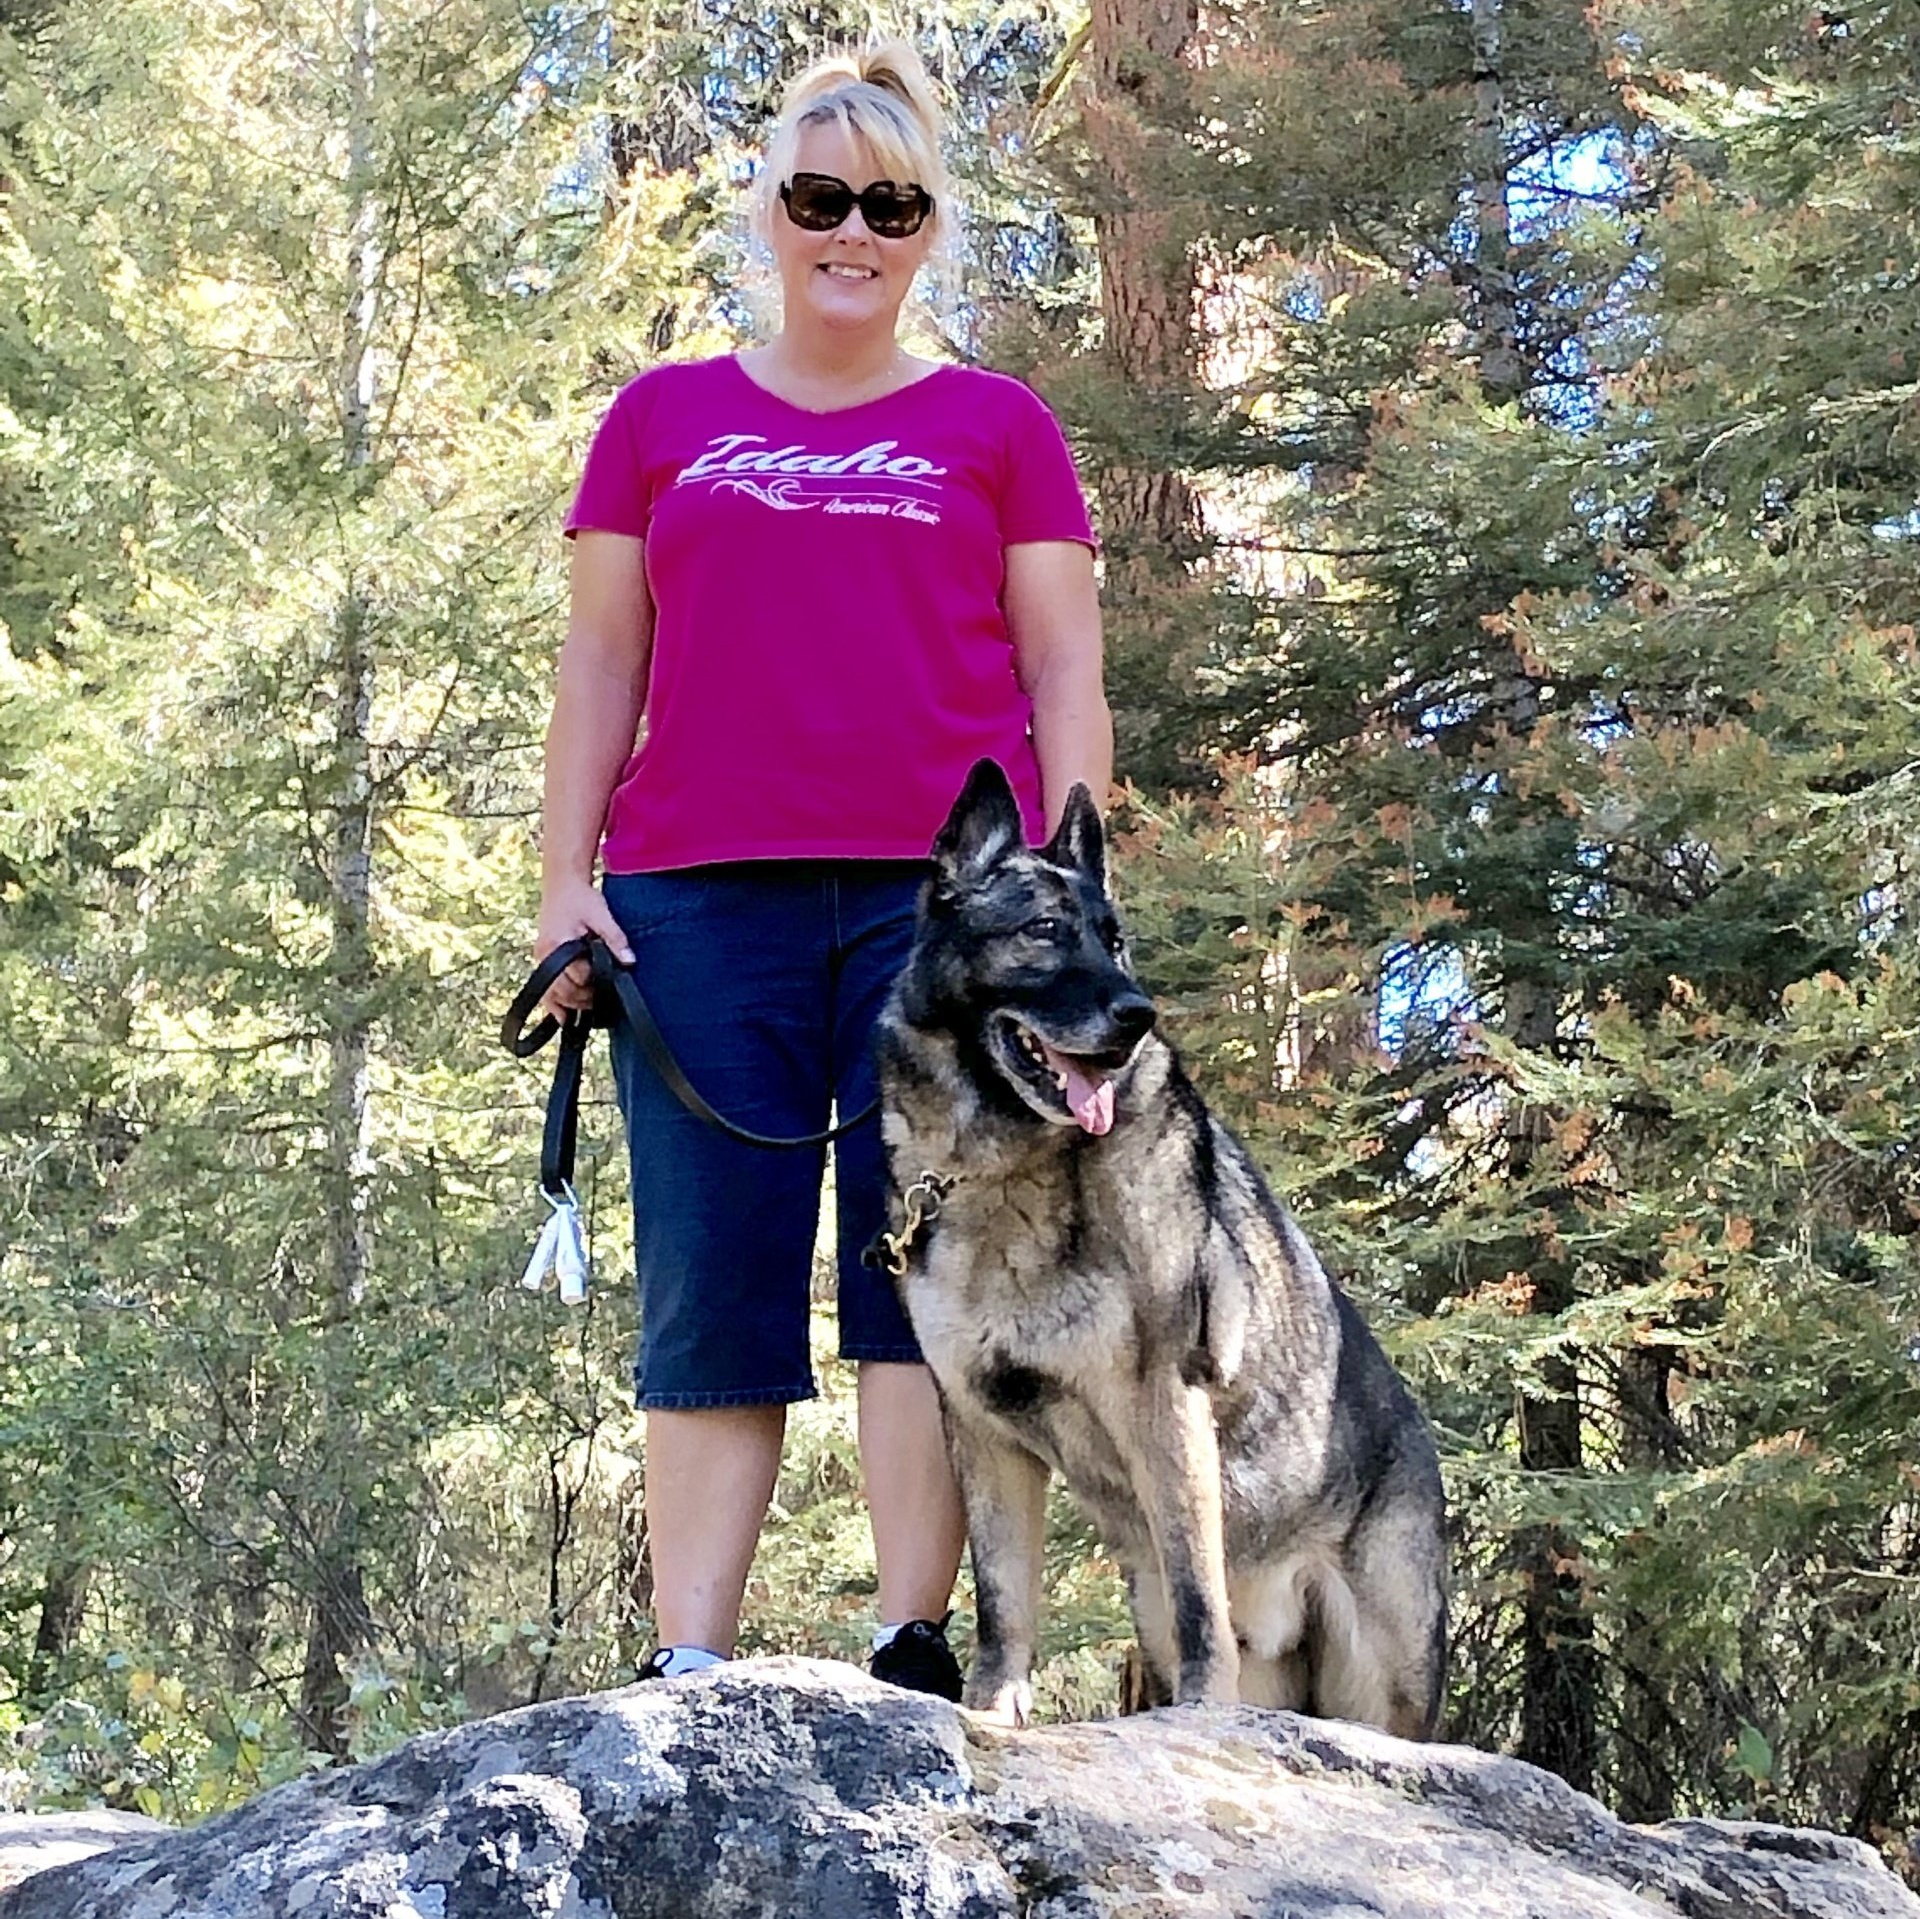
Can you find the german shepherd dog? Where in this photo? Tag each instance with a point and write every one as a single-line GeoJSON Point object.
{"type": "Point", "coordinates": [1104, 1287]}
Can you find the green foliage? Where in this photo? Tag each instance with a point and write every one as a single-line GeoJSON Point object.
{"type": "Point", "coordinates": [275, 677]}
{"type": "Point", "coordinates": [1555, 946]}
{"type": "Point", "coordinates": [1526, 726]}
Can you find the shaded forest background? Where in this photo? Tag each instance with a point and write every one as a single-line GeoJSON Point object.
{"type": "Point", "coordinates": [1503, 417]}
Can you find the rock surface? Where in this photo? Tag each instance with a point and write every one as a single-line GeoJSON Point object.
{"type": "Point", "coordinates": [789, 1786]}
{"type": "Point", "coordinates": [33, 1841]}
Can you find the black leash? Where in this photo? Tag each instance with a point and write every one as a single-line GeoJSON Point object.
{"type": "Point", "coordinates": [615, 997]}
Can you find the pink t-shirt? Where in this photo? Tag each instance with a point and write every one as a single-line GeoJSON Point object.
{"type": "Point", "coordinates": [830, 654]}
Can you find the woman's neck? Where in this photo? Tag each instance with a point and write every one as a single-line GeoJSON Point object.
{"type": "Point", "coordinates": [833, 362]}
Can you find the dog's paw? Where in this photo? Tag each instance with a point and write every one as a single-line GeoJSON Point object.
{"type": "Point", "coordinates": [1009, 1704]}
{"type": "Point", "coordinates": [1212, 1685]}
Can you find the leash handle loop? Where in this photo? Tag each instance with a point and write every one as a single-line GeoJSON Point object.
{"type": "Point", "coordinates": [616, 996]}
{"type": "Point", "coordinates": [513, 1034]}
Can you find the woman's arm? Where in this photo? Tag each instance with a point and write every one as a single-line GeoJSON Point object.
{"type": "Point", "coordinates": [600, 692]}
{"type": "Point", "coordinates": [1053, 619]}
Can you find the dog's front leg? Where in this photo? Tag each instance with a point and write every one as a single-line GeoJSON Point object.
{"type": "Point", "coordinates": [1005, 1489]}
{"type": "Point", "coordinates": [1176, 1474]}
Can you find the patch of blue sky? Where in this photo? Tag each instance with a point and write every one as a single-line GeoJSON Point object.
{"type": "Point", "coordinates": [571, 44]}
{"type": "Point", "coordinates": [570, 41]}
{"type": "Point", "coordinates": [1441, 715]}
{"type": "Point", "coordinates": [581, 182]}
{"type": "Point", "coordinates": [1423, 987]}
{"type": "Point", "coordinates": [1602, 724]}
{"type": "Point", "coordinates": [1547, 188]}
{"type": "Point", "coordinates": [1574, 401]}
{"type": "Point", "coordinates": [1883, 915]}
{"type": "Point", "coordinates": [1304, 299]}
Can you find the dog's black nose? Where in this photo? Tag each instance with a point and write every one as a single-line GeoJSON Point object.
{"type": "Point", "coordinates": [1132, 1020]}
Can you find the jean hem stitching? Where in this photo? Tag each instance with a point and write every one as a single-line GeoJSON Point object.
{"type": "Point", "coordinates": [687, 1402]}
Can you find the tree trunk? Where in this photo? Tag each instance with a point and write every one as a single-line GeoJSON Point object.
{"type": "Point", "coordinates": [1150, 516]}
{"type": "Point", "coordinates": [633, 1577]}
{"type": "Point", "coordinates": [352, 796]}
{"type": "Point", "coordinates": [1559, 1667]}
{"type": "Point", "coordinates": [63, 1606]}
{"type": "Point", "coordinates": [1501, 364]}
{"type": "Point", "coordinates": [338, 1624]}
{"type": "Point", "coordinates": [349, 1107]}
{"type": "Point", "coordinates": [1643, 1776]}
{"type": "Point", "coordinates": [1558, 1662]}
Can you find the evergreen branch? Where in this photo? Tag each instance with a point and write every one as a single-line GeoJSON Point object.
{"type": "Point", "coordinates": [404, 762]}
{"type": "Point", "coordinates": [1055, 82]}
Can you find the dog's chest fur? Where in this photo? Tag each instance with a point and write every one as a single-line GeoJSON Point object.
{"type": "Point", "coordinates": [1025, 1337]}
{"type": "Point", "coordinates": [1062, 1269]}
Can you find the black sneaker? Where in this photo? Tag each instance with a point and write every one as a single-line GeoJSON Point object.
{"type": "Point", "coordinates": [919, 1658]}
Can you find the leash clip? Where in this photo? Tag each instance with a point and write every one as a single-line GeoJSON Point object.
{"type": "Point", "coordinates": [922, 1200]}
{"type": "Point", "coordinates": [561, 1248]}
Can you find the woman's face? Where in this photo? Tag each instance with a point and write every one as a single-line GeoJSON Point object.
{"type": "Point", "coordinates": [847, 278]}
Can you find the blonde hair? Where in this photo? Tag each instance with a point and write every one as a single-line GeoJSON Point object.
{"type": "Point", "coordinates": [885, 100]}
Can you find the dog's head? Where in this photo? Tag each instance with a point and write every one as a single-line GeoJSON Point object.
{"type": "Point", "coordinates": [1020, 957]}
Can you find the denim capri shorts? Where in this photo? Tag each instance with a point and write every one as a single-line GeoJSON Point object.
{"type": "Point", "coordinates": [766, 978]}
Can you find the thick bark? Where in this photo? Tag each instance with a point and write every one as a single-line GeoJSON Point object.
{"type": "Point", "coordinates": [1559, 1662]}
{"type": "Point", "coordinates": [1642, 1774]}
{"type": "Point", "coordinates": [1501, 364]}
{"type": "Point", "coordinates": [1150, 515]}
{"type": "Point", "coordinates": [1889, 1781]}
{"type": "Point", "coordinates": [633, 1571]}
{"type": "Point", "coordinates": [1559, 1713]}
{"type": "Point", "coordinates": [1560, 1674]}
{"type": "Point", "coordinates": [338, 1626]}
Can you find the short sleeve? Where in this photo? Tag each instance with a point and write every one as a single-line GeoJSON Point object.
{"type": "Point", "coordinates": [1040, 496]}
{"type": "Point", "coordinates": [614, 496]}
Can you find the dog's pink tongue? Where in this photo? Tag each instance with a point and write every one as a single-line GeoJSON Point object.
{"type": "Point", "coordinates": [1090, 1099]}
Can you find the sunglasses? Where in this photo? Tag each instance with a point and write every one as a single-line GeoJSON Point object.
{"type": "Point", "coordinates": [819, 203]}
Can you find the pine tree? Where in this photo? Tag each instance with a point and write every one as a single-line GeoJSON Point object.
{"type": "Point", "coordinates": [314, 327]}
{"type": "Point", "coordinates": [1587, 743]}
{"type": "Point", "coordinates": [343, 361]}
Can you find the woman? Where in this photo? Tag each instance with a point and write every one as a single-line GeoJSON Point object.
{"type": "Point", "coordinates": [830, 575]}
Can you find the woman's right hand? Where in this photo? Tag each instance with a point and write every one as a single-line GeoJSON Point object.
{"type": "Point", "coordinates": [571, 911]}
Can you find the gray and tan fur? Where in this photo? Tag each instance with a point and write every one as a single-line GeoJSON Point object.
{"type": "Point", "coordinates": [1129, 1306]}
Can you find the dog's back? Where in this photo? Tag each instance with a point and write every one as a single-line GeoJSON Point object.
{"type": "Point", "coordinates": [1336, 1545]}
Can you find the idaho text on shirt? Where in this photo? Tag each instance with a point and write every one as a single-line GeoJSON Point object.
{"type": "Point", "coordinates": [878, 479]}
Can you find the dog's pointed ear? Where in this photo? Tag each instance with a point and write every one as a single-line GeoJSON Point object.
{"type": "Point", "coordinates": [983, 827]}
{"type": "Point", "coordinates": [1080, 840]}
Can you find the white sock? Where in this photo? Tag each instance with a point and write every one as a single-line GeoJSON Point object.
{"type": "Point", "coordinates": [884, 1637]}
{"type": "Point", "coordinates": [681, 1659]}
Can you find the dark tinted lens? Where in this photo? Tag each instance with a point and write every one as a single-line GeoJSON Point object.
{"type": "Point", "coordinates": [894, 212]}
{"type": "Point", "coordinates": [817, 201]}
